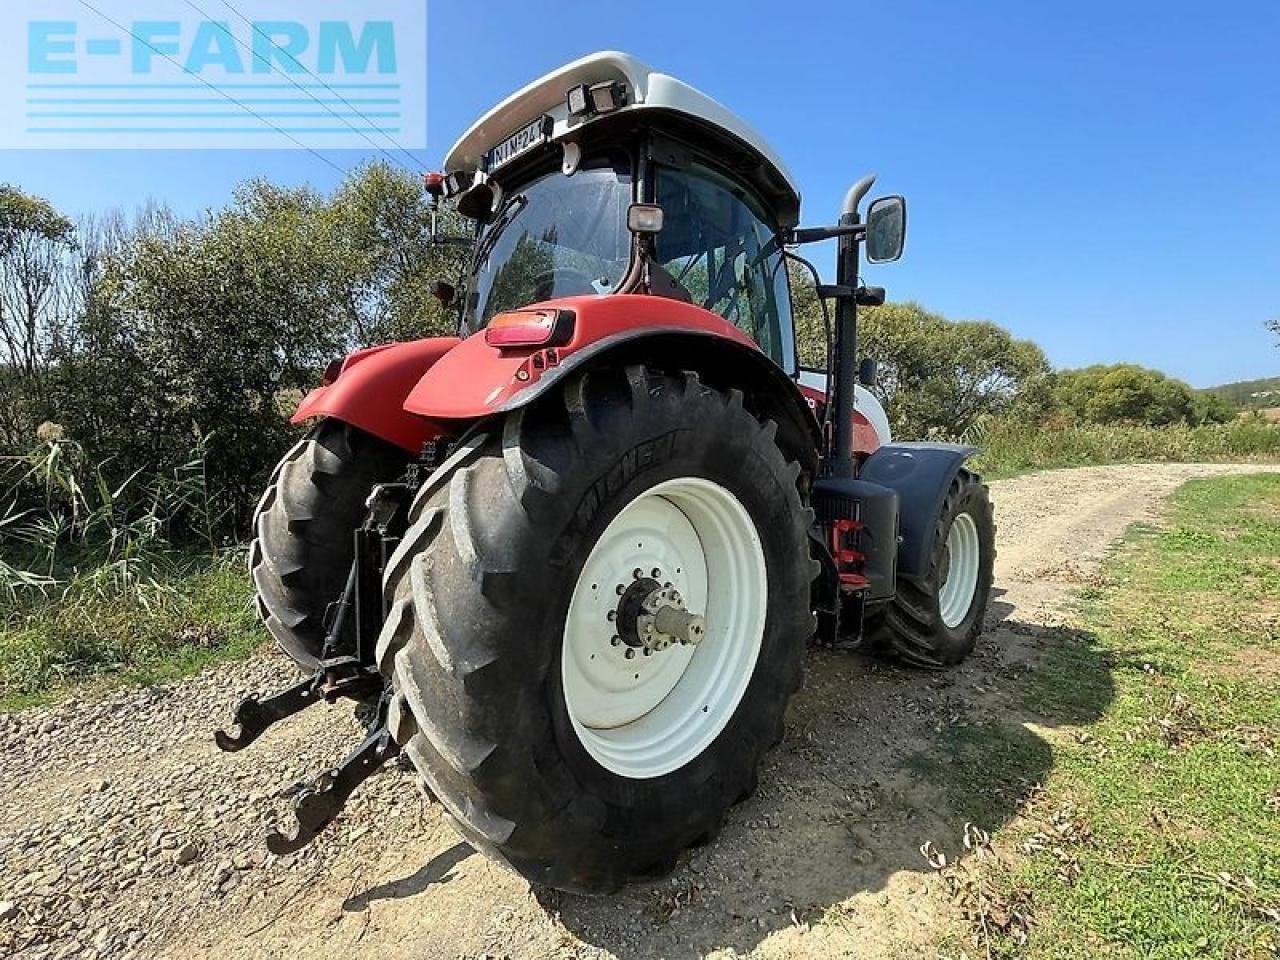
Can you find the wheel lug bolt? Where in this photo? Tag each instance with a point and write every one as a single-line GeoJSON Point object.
{"type": "Point", "coordinates": [612, 615]}
{"type": "Point", "coordinates": [656, 573]}
{"type": "Point", "coordinates": [631, 653]}
{"type": "Point", "coordinates": [620, 589]}
{"type": "Point", "coordinates": [637, 573]}
{"type": "Point", "coordinates": [648, 652]}
{"type": "Point", "coordinates": [614, 641]}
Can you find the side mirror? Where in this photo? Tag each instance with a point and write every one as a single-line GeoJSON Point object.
{"type": "Point", "coordinates": [868, 372]}
{"type": "Point", "coordinates": [886, 229]}
{"type": "Point", "coordinates": [476, 201]}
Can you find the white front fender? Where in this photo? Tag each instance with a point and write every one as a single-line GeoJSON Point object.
{"type": "Point", "coordinates": [864, 402]}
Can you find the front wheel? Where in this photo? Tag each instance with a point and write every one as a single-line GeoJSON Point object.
{"type": "Point", "coordinates": [596, 624]}
{"type": "Point", "coordinates": [935, 621]}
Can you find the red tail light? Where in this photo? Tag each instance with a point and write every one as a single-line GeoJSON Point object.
{"type": "Point", "coordinates": [529, 328]}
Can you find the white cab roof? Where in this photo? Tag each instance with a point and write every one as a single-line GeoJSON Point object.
{"type": "Point", "coordinates": [646, 89]}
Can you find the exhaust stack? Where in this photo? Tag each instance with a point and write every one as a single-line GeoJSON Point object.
{"type": "Point", "coordinates": [843, 463]}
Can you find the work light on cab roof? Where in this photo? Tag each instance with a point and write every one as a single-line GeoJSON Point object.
{"type": "Point", "coordinates": [569, 557]}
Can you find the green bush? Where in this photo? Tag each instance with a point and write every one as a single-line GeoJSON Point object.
{"type": "Point", "coordinates": [1127, 393]}
{"type": "Point", "coordinates": [166, 333]}
{"type": "Point", "coordinates": [194, 335]}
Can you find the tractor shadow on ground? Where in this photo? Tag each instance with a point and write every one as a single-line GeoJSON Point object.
{"type": "Point", "coordinates": [437, 870]}
{"type": "Point", "coordinates": [877, 760]}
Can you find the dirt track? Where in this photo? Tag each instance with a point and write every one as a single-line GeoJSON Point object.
{"type": "Point", "coordinates": [123, 832]}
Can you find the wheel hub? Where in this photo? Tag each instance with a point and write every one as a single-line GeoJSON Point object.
{"type": "Point", "coordinates": [652, 616]}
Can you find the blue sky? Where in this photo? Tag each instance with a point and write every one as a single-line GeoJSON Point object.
{"type": "Point", "coordinates": [1102, 178]}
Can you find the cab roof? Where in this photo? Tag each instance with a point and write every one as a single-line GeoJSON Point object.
{"type": "Point", "coordinates": [647, 90]}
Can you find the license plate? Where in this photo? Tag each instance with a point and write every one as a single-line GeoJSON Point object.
{"type": "Point", "coordinates": [519, 143]}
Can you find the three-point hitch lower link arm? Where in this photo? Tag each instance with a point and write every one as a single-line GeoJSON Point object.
{"type": "Point", "coordinates": [317, 804]}
{"type": "Point", "coordinates": [346, 670]}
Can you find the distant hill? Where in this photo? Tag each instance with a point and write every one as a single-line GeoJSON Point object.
{"type": "Point", "coordinates": [1250, 394]}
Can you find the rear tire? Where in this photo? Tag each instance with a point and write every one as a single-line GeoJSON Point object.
{"type": "Point", "coordinates": [936, 622]}
{"type": "Point", "coordinates": [303, 547]}
{"type": "Point", "coordinates": [485, 592]}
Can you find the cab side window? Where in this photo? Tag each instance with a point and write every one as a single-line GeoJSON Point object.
{"type": "Point", "coordinates": [719, 248]}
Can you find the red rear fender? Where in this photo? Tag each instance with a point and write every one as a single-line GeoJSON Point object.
{"type": "Point", "coordinates": [409, 393]}
{"type": "Point", "coordinates": [476, 379]}
{"type": "Point", "coordinates": [371, 390]}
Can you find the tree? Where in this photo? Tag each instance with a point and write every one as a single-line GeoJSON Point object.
{"type": "Point", "coordinates": [1207, 407]}
{"type": "Point", "coordinates": [197, 334]}
{"type": "Point", "coordinates": [35, 246]}
{"type": "Point", "coordinates": [1127, 393]}
{"type": "Point", "coordinates": [34, 240]}
{"type": "Point", "coordinates": [384, 220]}
{"type": "Point", "coordinates": [940, 376]}
{"type": "Point", "coordinates": [205, 332]}
{"type": "Point", "coordinates": [937, 376]}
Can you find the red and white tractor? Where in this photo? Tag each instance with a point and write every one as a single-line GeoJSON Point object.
{"type": "Point", "coordinates": [570, 558]}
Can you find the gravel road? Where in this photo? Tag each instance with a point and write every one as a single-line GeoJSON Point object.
{"type": "Point", "coordinates": [125, 833]}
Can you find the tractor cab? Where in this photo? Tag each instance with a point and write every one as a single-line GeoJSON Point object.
{"type": "Point", "coordinates": [607, 177]}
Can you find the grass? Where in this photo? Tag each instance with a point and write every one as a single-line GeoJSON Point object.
{"type": "Point", "coordinates": [1153, 832]}
{"type": "Point", "coordinates": [179, 614]}
{"type": "Point", "coordinates": [95, 589]}
{"type": "Point", "coordinates": [1011, 447]}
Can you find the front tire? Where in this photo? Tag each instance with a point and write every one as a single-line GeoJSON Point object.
{"type": "Point", "coordinates": [552, 747]}
{"type": "Point", "coordinates": [935, 622]}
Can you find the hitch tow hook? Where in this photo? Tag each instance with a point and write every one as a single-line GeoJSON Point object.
{"type": "Point", "coordinates": [253, 717]}
{"type": "Point", "coordinates": [317, 804]}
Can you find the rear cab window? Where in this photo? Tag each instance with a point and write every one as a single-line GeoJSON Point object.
{"type": "Point", "coordinates": [719, 247]}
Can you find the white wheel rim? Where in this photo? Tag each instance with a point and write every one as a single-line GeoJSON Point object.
{"type": "Point", "coordinates": [964, 552]}
{"type": "Point", "coordinates": [649, 715]}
